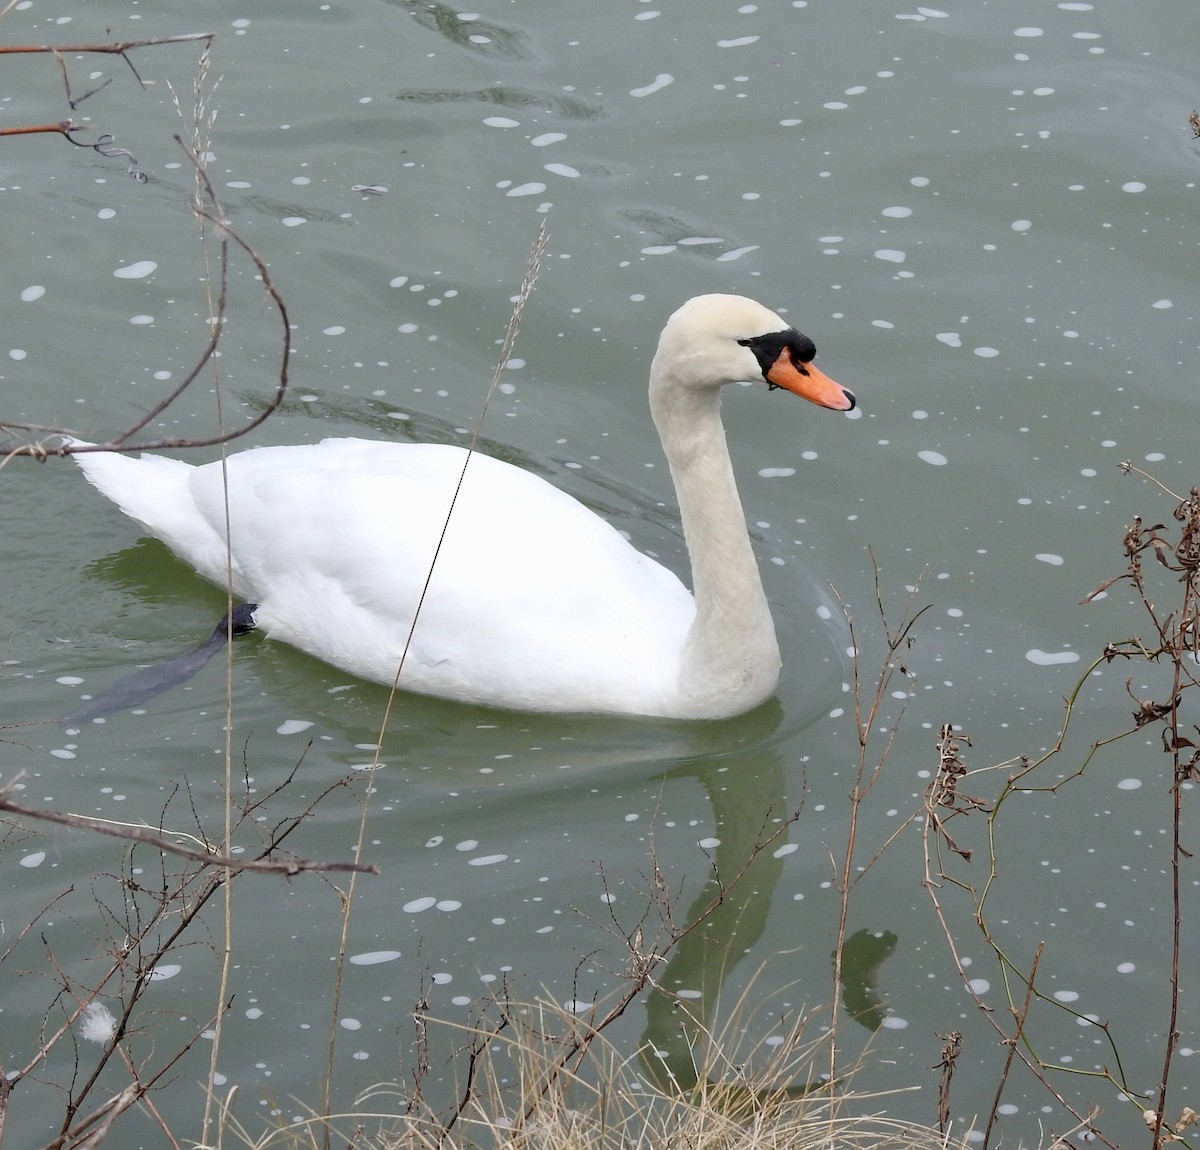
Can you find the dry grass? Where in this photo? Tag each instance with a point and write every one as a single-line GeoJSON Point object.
{"type": "Point", "coordinates": [518, 1093]}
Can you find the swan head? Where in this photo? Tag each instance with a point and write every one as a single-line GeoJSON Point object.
{"type": "Point", "coordinates": [717, 339]}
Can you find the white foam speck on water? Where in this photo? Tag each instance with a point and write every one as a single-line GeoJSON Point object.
{"type": "Point", "coordinates": [979, 985]}
{"type": "Point", "coordinates": [697, 241]}
{"type": "Point", "coordinates": [1133, 186]}
{"type": "Point", "coordinates": [33, 860]}
{"type": "Point", "coordinates": [1066, 996]}
{"type": "Point", "coordinates": [934, 13]}
{"type": "Point", "coordinates": [69, 680]}
{"type": "Point", "coordinates": [1050, 658]}
{"type": "Point", "coordinates": [896, 212]}
{"type": "Point", "coordinates": [141, 320]}
{"type": "Point", "coordinates": [17, 353]}
{"type": "Point", "coordinates": [466, 845]}
{"type": "Point", "coordinates": [949, 338]}
{"type": "Point", "coordinates": [416, 905]}
{"type": "Point", "coordinates": [292, 221]}
{"type": "Point", "coordinates": [934, 457]}
{"type": "Point", "coordinates": [254, 1013]}
{"type": "Point", "coordinates": [786, 849]}
{"type": "Point", "coordinates": [1162, 304]}
{"type": "Point", "coordinates": [776, 472]}
{"type": "Point", "coordinates": [658, 250]}
{"type": "Point", "coordinates": [533, 188]}
{"type": "Point", "coordinates": [894, 1022]}
{"type": "Point", "coordinates": [547, 138]}
{"type": "Point", "coordinates": [163, 971]}
{"type": "Point", "coordinates": [350, 1024]}
{"type": "Point", "coordinates": [501, 122]}
{"type": "Point", "coordinates": [487, 860]}
{"type": "Point", "coordinates": [1021, 225]}
{"type": "Point", "coordinates": [563, 170]}
{"type": "Point", "coordinates": [659, 82]}
{"type": "Point", "coordinates": [293, 726]}
{"type": "Point", "coordinates": [738, 41]}
{"type": "Point", "coordinates": [836, 105]}
{"type": "Point", "coordinates": [1129, 785]}
{"type": "Point", "coordinates": [374, 957]}
{"type": "Point", "coordinates": [890, 255]}
{"type": "Point", "coordinates": [987, 352]}
{"type": "Point", "coordinates": [136, 271]}
{"type": "Point", "coordinates": [448, 904]}
{"type": "Point", "coordinates": [34, 291]}
{"type": "Point", "coordinates": [736, 253]}
{"type": "Point", "coordinates": [62, 753]}
{"type": "Point", "coordinates": [1126, 967]}
{"type": "Point", "coordinates": [1029, 33]}
{"type": "Point", "coordinates": [1049, 557]}
{"type": "Point", "coordinates": [336, 329]}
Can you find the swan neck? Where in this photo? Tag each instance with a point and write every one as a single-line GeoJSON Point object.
{"type": "Point", "coordinates": [731, 649]}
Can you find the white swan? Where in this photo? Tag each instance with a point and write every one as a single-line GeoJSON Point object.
{"type": "Point", "coordinates": [535, 603]}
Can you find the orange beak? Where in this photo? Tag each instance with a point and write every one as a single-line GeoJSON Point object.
{"type": "Point", "coordinates": [808, 382]}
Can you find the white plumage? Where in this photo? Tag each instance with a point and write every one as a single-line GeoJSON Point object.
{"type": "Point", "coordinates": [535, 602]}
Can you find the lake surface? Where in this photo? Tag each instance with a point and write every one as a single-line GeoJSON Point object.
{"type": "Point", "coordinates": [986, 218]}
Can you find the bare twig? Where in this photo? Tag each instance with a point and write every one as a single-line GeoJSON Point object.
{"type": "Point", "coordinates": [288, 867]}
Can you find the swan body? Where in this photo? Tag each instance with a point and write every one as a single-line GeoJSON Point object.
{"type": "Point", "coordinates": [535, 602]}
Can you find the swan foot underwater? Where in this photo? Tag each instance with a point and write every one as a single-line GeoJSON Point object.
{"type": "Point", "coordinates": [535, 603]}
{"type": "Point", "coordinates": [154, 679]}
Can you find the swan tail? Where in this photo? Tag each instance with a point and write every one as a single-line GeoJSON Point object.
{"type": "Point", "coordinates": [156, 492]}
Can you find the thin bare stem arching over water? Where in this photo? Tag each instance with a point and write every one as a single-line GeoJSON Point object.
{"type": "Point", "coordinates": [870, 697]}
{"type": "Point", "coordinates": [537, 250]}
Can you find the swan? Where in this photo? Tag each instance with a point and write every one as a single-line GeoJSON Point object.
{"type": "Point", "coordinates": [535, 602]}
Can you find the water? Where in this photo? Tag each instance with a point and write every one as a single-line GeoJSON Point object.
{"type": "Point", "coordinates": [983, 216]}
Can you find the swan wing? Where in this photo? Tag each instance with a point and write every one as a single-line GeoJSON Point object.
{"type": "Point", "coordinates": [534, 600]}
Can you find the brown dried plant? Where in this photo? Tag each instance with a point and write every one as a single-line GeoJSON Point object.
{"type": "Point", "coordinates": [1172, 642]}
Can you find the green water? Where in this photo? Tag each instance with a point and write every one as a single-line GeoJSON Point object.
{"type": "Point", "coordinates": [985, 218]}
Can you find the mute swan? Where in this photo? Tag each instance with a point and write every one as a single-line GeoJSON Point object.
{"type": "Point", "coordinates": [535, 602]}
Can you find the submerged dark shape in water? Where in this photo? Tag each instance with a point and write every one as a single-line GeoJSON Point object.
{"type": "Point", "coordinates": [144, 684]}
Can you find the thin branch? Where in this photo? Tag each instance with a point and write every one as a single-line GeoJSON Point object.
{"type": "Point", "coordinates": [288, 867]}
